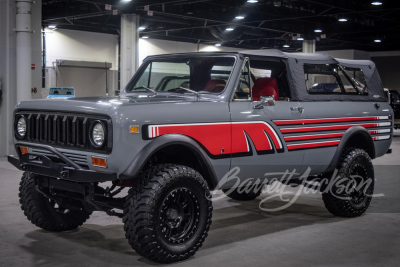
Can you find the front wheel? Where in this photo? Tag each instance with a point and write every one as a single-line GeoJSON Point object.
{"type": "Point", "coordinates": [45, 213]}
{"type": "Point", "coordinates": [352, 191]}
{"type": "Point", "coordinates": [167, 213]}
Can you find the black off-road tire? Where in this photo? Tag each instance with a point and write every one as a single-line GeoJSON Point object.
{"type": "Point", "coordinates": [165, 200]}
{"type": "Point", "coordinates": [353, 202]}
{"type": "Point", "coordinates": [241, 195]}
{"type": "Point", "coordinates": [43, 213]}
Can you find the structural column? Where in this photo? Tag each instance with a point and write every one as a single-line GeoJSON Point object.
{"type": "Point", "coordinates": [23, 45]}
{"type": "Point", "coordinates": [309, 46]}
{"type": "Point", "coordinates": [7, 75]}
{"type": "Point", "coordinates": [129, 47]}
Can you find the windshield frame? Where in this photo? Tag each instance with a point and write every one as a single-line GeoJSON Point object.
{"type": "Point", "coordinates": [162, 58]}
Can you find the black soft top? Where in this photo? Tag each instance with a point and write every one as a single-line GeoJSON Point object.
{"type": "Point", "coordinates": [295, 65]}
{"type": "Point", "coordinates": [295, 69]}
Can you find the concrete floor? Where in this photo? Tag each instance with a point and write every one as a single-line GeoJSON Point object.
{"type": "Point", "coordinates": [303, 235]}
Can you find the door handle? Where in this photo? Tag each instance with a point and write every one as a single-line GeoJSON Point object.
{"type": "Point", "coordinates": [299, 109]}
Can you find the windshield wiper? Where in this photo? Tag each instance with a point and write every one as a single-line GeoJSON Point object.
{"type": "Point", "coordinates": [147, 88]}
{"type": "Point", "coordinates": [190, 90]}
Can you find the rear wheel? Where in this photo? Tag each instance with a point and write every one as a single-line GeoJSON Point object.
{"type": "Point", "coordinates": [352, 196]}
{"type": "Point", "coordinates": [46, 213]}
{"type": "Point", "coordinates": [168, 213]}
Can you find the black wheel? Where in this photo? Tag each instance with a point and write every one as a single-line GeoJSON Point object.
{"type": "Point", "coordinates": [45, 213]}
{"type": "Point", "coordinates": [352, 195]}
{"type": "Point", "coordinates": [168, 213]}
{"type": "Point", "coordinates": [242, 194]}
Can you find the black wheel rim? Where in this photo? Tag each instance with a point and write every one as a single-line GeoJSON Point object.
{"type": "Point", "coordinates": [179, 216]}
{"type": "Point", "coordinates": [359, 194]}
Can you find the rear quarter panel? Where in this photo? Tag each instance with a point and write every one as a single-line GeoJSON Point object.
{"type": "Point", "coordinates": [319, 158]}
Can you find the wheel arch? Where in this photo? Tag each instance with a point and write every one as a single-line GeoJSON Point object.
{"type": "Point", "coordinates": [357, 137]}
{"type": "Point", "coordinates": [187, 146]}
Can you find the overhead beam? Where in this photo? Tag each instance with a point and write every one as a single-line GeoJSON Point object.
{"type": "Point", "coordinates": [81, 16]}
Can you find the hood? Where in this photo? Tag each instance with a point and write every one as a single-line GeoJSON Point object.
{"type": "Point", "coordinates": [101, 104]}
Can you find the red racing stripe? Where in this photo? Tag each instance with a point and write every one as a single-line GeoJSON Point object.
{"type": "Point", "coordinates": [213, 136]}
{"type": "Point", "coordinates": [226, 137]}
{"type": "Point", "coordinates": [330, 128]}
{"type": "Point", "coordinates": [310, 121]}
{"type": "Point", "coordinates": [312, 145]}
{"type": "Point", "coordinates": [310, 137]}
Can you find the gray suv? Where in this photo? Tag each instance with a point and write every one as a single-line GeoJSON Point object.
{"type": "Point", "coordinates": [186, 120]}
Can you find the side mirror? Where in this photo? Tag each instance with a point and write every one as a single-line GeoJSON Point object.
{"type": "Point", "coordinates": [267, 100]}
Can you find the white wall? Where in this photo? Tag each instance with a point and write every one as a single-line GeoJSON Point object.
{"type": "Point", "coordinates": [148, 47]}
{"type": "Point", "coordinates": [77, 45]}
{"type": "Point", "coordinates": [82, 46]}
{"type": "Point", "coordinates": [385, 54]}
{"type": "Point", "coordinates": [347, 54]}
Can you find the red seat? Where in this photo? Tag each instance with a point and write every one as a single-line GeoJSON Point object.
{"type": "Point", "coordinates": [264, 87]}
{"type": "Point", "coordinates": [215, 86]}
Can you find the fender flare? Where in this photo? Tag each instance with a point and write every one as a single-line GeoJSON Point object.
{"type": "Point", "coordinates": [348, 134]}
{"type": "Point", "coordinates": [160, 142]}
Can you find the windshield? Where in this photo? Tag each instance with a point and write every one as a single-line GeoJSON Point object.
{"type": "Point", "coordinates": [200, 74]}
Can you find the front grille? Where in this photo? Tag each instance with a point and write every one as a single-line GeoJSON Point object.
{"type": "Point", "coordinates": [66, 130]}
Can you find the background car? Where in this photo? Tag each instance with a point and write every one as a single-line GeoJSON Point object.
{"type": "Point", "coordinates": [61, 92]}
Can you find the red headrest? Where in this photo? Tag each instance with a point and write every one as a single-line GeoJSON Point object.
{"type": "Point", "coordinates": [215, 86]}
{"type": "Point", "coordinates": [265, 86]}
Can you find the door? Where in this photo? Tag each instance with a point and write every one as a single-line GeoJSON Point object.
{"type": "Point", "coordinates": [259, 148]}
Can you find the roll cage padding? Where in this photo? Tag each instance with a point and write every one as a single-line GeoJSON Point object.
{"type": "Point", "coordinates": [163, 141]}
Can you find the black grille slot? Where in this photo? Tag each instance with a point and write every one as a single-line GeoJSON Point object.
{"type": "Point", "coordinates": [64, 130]}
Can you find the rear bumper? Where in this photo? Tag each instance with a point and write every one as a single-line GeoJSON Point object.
{"type": "Point", "coordinates": [65, 169]}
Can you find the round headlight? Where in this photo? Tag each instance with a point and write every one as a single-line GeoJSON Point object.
{"type": "Point", "coordinates": [98, 134]}
{"type": "Point", "coordinates": [21, 127]}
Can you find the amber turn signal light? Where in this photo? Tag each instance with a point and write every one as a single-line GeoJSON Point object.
{"type": "Point", "coordinates": [24, 150]}
{"type": "Point", "coordinates": [99, 162]}
{"type": "Point", "coordinates": [134, 129]}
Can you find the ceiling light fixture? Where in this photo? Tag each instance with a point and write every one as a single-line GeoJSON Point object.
{"type": "Point", "coordinates": [217, 44]}
{"type": "Point", "coordinates": [342, 20]}
{"type": "Point", "coordinates": [376, 3]}
{"type": "Point", "coordinates": [318, 30]}
{"type": "Point", "coordinates": [145, 37]}
{"type": "Point", "coordinates": [286, 45]}
{"type": "Point", "coordinates": [252, 1]}
{"type": "Point", "coordinates": [142, 28]}
{"type": "Point", "coordinates": [300, 39]}
{"type": "Point", "coordinates": [229, 29]}
{"type": "Point", "coordinates": [378, 41]}
{"type": "Point", "coordinates": [239, 17]}
{"type": "Point", "coordinates": [51, 26]}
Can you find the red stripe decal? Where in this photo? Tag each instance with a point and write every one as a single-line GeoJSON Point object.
{"type": "Point", "coordinates": [215, 136]}
{"type": "Point", "coordinates": [327, 128]}
{"type": "Point", "coordinates": [317, 136]}
{"type": "Point", "coordinates": [310, 121]}
{"type": "Point", "coordinates": [312, 145]}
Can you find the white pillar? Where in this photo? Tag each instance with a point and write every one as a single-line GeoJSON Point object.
{"type": "Point", "coordinates": [129, 47]}
{"type": "Point", "coordinates": [23, 46]}
{"type": "Point", "coordinates": [309, 46]}
{"type": "Point", "coordinates": [7, 75]}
